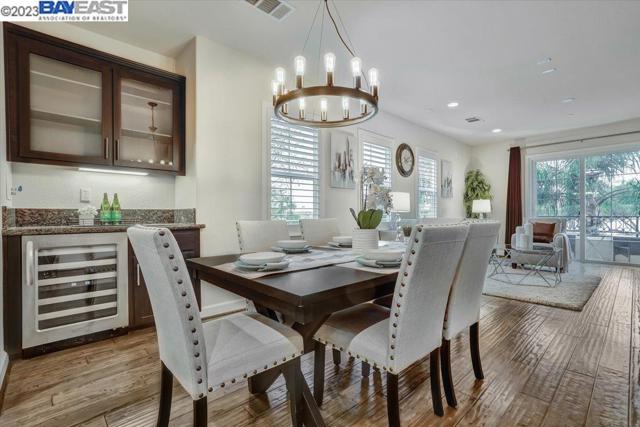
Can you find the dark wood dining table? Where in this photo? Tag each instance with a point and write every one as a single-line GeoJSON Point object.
{"type": "Point", "coordinates": [306, 298]}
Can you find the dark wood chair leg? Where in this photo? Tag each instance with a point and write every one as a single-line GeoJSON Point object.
{"type": "Point", "coordinates": [166, 388]}
{"type": "Point", "coordinates": [393, 403]}
{"type": "Point", "coordinates": [336, 356]}
{"type": "Point", "coordinates": [474, 341]}
{"type": "Point", "coordinates": [436, 394]}
{"type": "Point", "coordinates": [200, 412]}
{"type": "Point", "coordinates": [366, 369]}
{"type": "Point", "coordinates": [318, 372]}
{"type": "Point", "coordinates": [293, 377]}
{"type": "Point", "coordinates": [445, 368]}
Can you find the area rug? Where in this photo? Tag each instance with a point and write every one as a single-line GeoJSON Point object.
{"type": "Point", "coordinates": [572, 293]}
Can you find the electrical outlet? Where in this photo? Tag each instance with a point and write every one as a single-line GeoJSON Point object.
{"type": "Point", "coordinates": [85, 195]}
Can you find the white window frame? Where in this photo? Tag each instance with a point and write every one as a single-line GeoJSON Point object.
{"type": "Point", "coordinates": [294, 228]}
{"type": "Point", "coordinates": [366, 136]}
{"type": "Point", "coordinates": [434, 156]}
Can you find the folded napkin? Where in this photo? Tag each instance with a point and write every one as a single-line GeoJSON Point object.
{"type": "Point", "coordinates": [269, 266]}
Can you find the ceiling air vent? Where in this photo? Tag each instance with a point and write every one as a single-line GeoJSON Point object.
{"type": "Point", "coordinates": [277, 9]}
{"type": "Point", "coordinates": [472, 119]}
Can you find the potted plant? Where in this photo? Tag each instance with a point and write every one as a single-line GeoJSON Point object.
{"type": "Point", "coordinates": [476, 186]}
{"type": "Point", "coordinates": [86, 215]}
{"type": "Point", "coordinates": [375, 202]}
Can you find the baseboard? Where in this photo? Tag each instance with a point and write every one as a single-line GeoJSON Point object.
{"type": "Point", "coordinates": [4, 370]}
{"type": "Point", "coordinates": [222, 308]}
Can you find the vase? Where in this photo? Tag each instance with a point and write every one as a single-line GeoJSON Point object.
{"type": "Point", "coordinates": [365, 239]}
{"type": "Point", "coordinates": [85, 219]}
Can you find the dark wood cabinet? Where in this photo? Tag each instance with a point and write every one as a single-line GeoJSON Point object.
{"type": "Point", "coordinates": [71, 105]}
{"type": "Point", "coordinates": [140, 312]}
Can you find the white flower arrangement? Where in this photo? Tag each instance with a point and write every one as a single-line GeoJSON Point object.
{"type": "Point", "coordinates": [88, 211]}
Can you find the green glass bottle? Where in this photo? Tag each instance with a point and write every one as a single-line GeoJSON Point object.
{"type": "Point", "coordinates": [105, 210]}
{"type": "Point", "coordinates": [116, 212]}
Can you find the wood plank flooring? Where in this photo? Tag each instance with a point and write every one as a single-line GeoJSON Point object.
{"type": "Point", "coordinates": [543, 367]}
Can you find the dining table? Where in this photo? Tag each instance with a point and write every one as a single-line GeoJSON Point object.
{"type": "Point", "coordinates": [303, 298]}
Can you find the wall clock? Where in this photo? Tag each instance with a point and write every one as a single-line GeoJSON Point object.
{"type": "Point", "coordinates": [405, 160]}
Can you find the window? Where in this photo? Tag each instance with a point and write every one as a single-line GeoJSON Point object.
{"type": "Point", "coordinates": [294, 172]}
{"type": "Point", "coordinates": [557, 187]}
{"type": "Point", "coordinates": [377, 155]}
{"type": "Point", "coordinates": [427, 186]}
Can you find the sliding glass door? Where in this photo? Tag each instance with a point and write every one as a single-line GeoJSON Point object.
{"type": "Point", "coordinates": [599, 197]}
{"type": "Point", "coordinates": [557, 194]}
{"type": "Point", "coordinates": [612, 205]}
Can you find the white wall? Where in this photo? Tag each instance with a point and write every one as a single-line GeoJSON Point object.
{"type": "Point", "coordinates": [493, 159]}
{"type": "Point", "coordinates": [337, 201]}
{"type": "Point", "coordinates": [59, 187]}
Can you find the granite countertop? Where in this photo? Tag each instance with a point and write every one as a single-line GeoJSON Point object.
{"type": "Point", "coordinates": [30, 221]}
{"type": "Point", "coordinates": [77, 229]}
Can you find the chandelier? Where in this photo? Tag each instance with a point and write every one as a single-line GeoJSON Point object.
{"type": "Point", "coordinates": [354, 104]}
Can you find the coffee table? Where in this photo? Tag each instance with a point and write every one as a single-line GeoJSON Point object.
{"type": "Point", "coordinates": [536, 264]}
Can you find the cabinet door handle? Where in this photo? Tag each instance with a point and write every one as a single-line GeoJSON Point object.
{"type": "Point", "coordinates": [106, 147]}
{"type": "Point", "coordinates": [138, 277]}
{"type": "Point", "coordinates": [117, 149]}
{"type": "Point", "coordinates": [30, 264]}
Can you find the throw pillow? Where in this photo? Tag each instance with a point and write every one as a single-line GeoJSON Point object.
{"type": "Point", "coordinates": [543, 232]}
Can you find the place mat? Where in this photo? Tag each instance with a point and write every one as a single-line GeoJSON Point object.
{"type": "Point", "coordinates": [297, 262]}
{"type": "Point", "coordinates": [356, 266]}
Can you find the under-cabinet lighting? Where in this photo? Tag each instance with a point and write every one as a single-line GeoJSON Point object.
{"type": "Point", "coordinates": [121, 172]}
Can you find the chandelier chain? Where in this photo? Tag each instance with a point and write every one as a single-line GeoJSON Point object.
{"type": "Point", "coordinates": [326, 4]}
{"type": "Point", "coordinates": [313, 24]}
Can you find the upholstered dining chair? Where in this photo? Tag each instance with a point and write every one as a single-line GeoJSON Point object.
{"type": "Point", "coordinates": [319, 231]}
{"type": "Point", "coordinates": [204, 356]}
{"type": "Point", "coordinates": [393, 339]}
{"type": "Point", "coordinates": [463, 306]}
{"type": "Point", "coordinates": [256, 236]}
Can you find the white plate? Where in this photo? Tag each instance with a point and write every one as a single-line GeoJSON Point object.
{"type": "Point", "coordinates": [291, 244]}
{"type": "Point", "coordinates": [260, 258]}
{"type": "Point", "coordinates": [376, 264]}
{"type": "Point", "coordinates": [343, 240]}
{"type": "Point", "coordinates": [383, 254]}
{"type": "Point", "coordinates": [292, 251]}
{"type": "Point", "coordinates": [264, 267]}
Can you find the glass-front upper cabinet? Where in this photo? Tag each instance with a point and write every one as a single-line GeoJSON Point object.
{"type": "Point", "coordinates": [147, 121]}
{"type": "Point", "coordinates": [65, 110]}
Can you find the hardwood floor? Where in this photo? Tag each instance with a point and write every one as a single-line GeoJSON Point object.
{"type": "Point", "coordinates": [543, 367]}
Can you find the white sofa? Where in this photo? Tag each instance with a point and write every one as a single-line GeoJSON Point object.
{"type": "Point", "coordinates": [560, 240]}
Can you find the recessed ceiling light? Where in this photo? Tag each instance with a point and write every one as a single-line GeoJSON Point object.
{"type": "Point", "coordinates": [544, 61]}
{"type": "Point", "coordinates": [550, 70]}
{"type": "Point", "coordinates": [497, 130]}
{"type": "Point", "coordinates": [453, 104]}
{"type": "Point", "coordinates": [567, 100]}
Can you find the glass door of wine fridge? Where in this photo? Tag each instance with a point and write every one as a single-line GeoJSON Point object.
{"type": "Point", "coordinates": [73, 285]}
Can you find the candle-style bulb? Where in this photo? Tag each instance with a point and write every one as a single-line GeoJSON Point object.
{"type": "Point", "coordinates": [329, 66]}
{"type": "Point", "coordinates": [345, 107]}
{"type": "Point", "coordinates": [364, 107]}
{"type": "Point", "coordinates": [301, 107]}
{"type": "Point", "coordinates": [300, 65]}
{"type": "Point", "coordinates": [329, 62]}
{"type": "Point", "coordinates": [374, 83]}
{"type": "Point", "coordinates": [274, 90]}
{"type": "Point", "coordinates": [323, 109]}
{"type": "Point", "coordinates": [356, 70]}
{"type": "Point", "coordinates": [280, 73]}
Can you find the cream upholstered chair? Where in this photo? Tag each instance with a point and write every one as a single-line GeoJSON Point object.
{"type": "Point", "coordinates": [202, 356]}
{"type": "Point", "coordinates": [256, 236]}
{"type": "Point", "coordinates": [463, 307]}
{"type": "Point", "coordinates": [319, 231]}
{"type": "Point", "coordinates": [393, 339]}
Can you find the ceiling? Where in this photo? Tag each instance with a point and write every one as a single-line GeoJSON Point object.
{"type": "Point", "coordinates": [482, 54]}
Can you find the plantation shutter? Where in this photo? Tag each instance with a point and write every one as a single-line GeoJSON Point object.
{"type": "Point", "coordinates": [427, 186]}
{"type": "Point", "coordinates": [294, 172]}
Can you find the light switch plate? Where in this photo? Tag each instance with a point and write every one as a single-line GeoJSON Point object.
{"type": "Point", "coordinates": [85, 195]}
